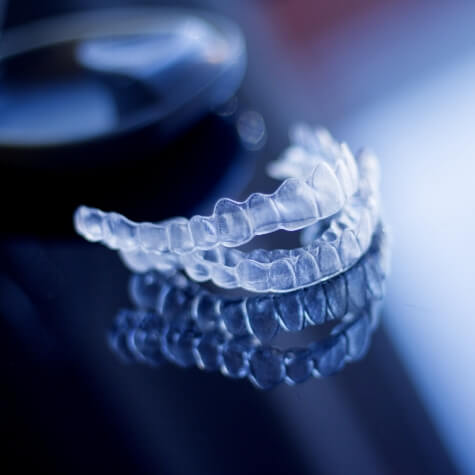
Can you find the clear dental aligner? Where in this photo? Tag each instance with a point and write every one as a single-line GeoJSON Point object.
{"type": "Point", "coordinates": [319, 175]}
{"type": "Point", "coordinates": [146, 337]}
{"type": "Point", "coordinates": [262, 316]}
{"type": "Point", "coordinates": [333, 246]}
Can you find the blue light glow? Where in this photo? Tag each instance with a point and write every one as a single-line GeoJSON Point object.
{"type": "Point", "coordinates": [424, 136]}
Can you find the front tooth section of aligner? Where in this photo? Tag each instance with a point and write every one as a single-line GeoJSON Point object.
{"type": "Point", "coordinates": [88, 223]}
{"type": "Point", "coordinates": [179, 236]}
{"type": "Point", "coordinates": [218, 264]}
{"type": "Point", "coordinates": [328, 193]}
{"type": "Point", "coordinates": [281, 276]}
{"type": "Point", "coordinates": [232, 224]}
{"type": "Point", "coordinates": [203, 231]}
{"type": "Point", "coordinates": [253, 275]}
{"type": "Point", "coordinates": [119, 232]}
{"type": "Point", "coordinates": [262, 213]}
{"type": "Point", "coordinates": [306, 269]}
{"type": "Point", "coordinates": [153, 238]}
{"type": "Point", "coordinates": [164, 262]}
{"type": "Point", "coordinates": [295, 203]}
{"type": "Point", "coordinates": [224, 276]}
{"type": "Point", "coordinates": [198, 269]}
{"type": "Point", "coordinates": [136, 261]}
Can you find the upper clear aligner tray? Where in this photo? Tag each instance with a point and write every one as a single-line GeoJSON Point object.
{"type": "Point", "coordinates": [317, 182]}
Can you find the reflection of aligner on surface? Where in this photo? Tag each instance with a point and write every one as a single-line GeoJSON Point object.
{"type": "Point", "coordinates": [320, 176]}
{"type": "Point", "coordinates": [179, 321]}
{"type": "Point", "coordinates": [146, 337]}
{"type": "Point", "coordinates": [346, 238]}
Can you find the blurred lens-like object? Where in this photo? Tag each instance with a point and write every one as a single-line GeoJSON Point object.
{"type": "Point", "coordinates": [252, 130]}
{"type": "Point", "coordinates": [155, 57]}
{"type": "Point", "coordinates": [98, 75]}
{"type": "Point", "coordinates": [88, 101]}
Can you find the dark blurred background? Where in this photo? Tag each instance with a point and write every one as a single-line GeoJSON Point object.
{"type": "Point", "coordinates": [397, 76]}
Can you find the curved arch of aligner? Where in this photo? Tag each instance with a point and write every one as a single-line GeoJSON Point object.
{"type": "Point", "coordinates": [352, 214]}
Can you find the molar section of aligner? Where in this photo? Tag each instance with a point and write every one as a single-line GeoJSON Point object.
{"type": "Point", "coordinates": [356, 285]}
{"type": "Point", "coordinates": [262, 213]}
{"type": "Point", "coordinates": [349, 248]}
{"type": "Point", "coordinates": [349, 159]}
{"type": "Point", "coordinates": [88, 223]}
{"type": "Point", "coordinates": [358, 336]}
{"type": "Point", "coordinates": [328, 194]}
{"type": "Point", "coordinates": [119, 232]}
{"type": "Point", "coordinates": [369, 169]}
{"type": "Point", "coordinates": [232, 224]}
{"type": "Point", "coordinates": [343, 175]}
{"type": "Point", "coordinates": [295, 203]}
{"type": "Point", "coordinates": [364, 230]}
{"type": "Point", "coordinates": [203, 231]}
{"type": "Point", "coordinates": [375, 277]}
{"type": "Point", "coordinates": [179, 236]}
{"type": "Point", "coordinates": [153, 238]}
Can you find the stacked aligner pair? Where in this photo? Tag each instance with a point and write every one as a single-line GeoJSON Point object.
{"type": "Point", "coordinates": [323, 182]}
{"type": "Point", "coordinates": [326, 192]}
